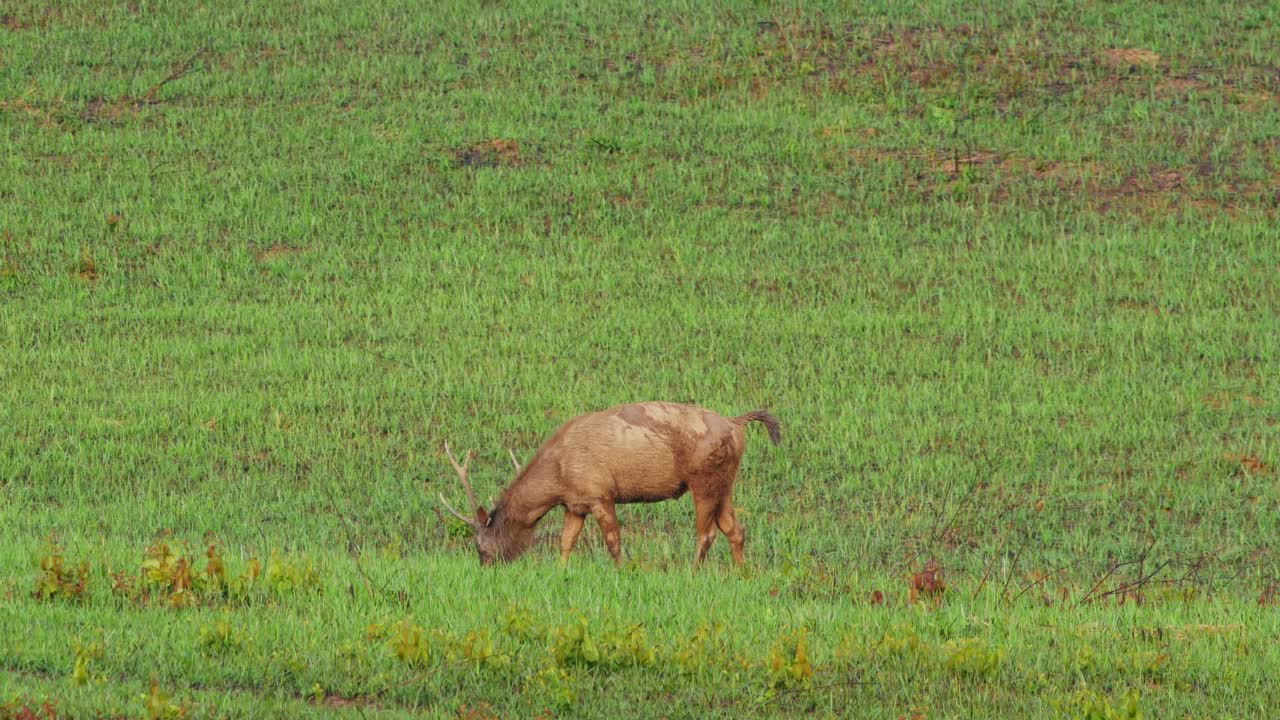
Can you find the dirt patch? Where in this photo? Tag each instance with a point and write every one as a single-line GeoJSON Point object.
{"type": "Point", "coordinates": [276, 252]}
{"type": "Point", "coordinates": [43, 117]}
{"type": "Point", "coordinates": [1179, 86]}
{"type": "Point", "coordinates": [1258, 101]}
{"type": "Point", "coordinates": [1247, 464]}
{"type": "Point", "coordinates": [103, 110]}
{"type": "Point", "coordinates": [995, 177]}
{"type": "Point", "coordinates": [499, 152]}
{"type": "Point", "coordinates": [10, 22]}
{"type": "Point", "coordinates": [86, 269]}
{"type": "Point", "coordinates": [248, 460]}
{"type": "Point", "coordinates": [338, 701]}
{"type": "Point", "coordinates": [1130, 59]}
{"type": "Point", "coordinates": [954, 164]}
{"type": "Point", "coordinates": [977, 162]}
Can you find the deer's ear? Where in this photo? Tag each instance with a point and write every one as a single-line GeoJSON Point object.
{"type": "Point", "coordinates": [483, 517]}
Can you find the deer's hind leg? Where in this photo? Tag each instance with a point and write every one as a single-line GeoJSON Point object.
{"type": "Point", "coordinates": [608, 521]}
{"type": "Point", "coordinates": [732, 529]}
{"type": "Point", "coordinates": [705, 512]}
{"type": "Point", "coordinates": [713, 505]}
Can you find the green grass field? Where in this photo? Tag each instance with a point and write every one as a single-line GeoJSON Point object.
{"type": "Point", "coordinates": [1006, 273]}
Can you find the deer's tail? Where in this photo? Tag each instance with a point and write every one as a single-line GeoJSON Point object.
{"type": "Point", "coordinates": [770, 422]}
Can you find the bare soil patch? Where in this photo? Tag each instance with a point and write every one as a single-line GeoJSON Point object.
{"type": "Point", "coordinates": [276, 252]}
{"type": "Point", "coordinates": [1129, 58]}
{"type": "Point", "coordinates": [500, 152]}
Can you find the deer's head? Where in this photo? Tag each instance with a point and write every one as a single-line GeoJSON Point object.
{"type": "Point", "coordinates": [493, 541]}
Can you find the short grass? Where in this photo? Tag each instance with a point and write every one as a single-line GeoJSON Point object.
{"type": "Point", "coordinates": [1007, 273]}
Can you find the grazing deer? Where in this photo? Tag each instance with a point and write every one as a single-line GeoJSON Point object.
{"type": "Point", "coordinates": [644, 452]}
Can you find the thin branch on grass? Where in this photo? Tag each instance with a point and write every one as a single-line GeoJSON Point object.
{"type": "Point", "coordinates": [942, 509]}
{"type": "Point", "coordinates": [183, 70]}
{"type": "Point", "coordinates": [444, 526]}
{"type": "Point", "coordinates": [1110, 571]}
{"type": "Point", "coordinates": [946, 529]}
{"type": "Point", "coordinates": [1014, 567]}
{"type": "Point", "coordinates": [414, 678]}
{"type": "Point", "coordinates": [351, 542]}
{"type": "Point", "coordinates": [991, 564]}
{"type": "Point", "coordinates": [1029, 586]}
{"type": "Point", "coordinates": [1135, 585]}
{"type": "Point", "coordinates": [1088, 597]}
{"type": "Point", "coordinates": [782, 30]}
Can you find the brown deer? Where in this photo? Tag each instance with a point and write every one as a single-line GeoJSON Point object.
{"type": "Point", "coordinates": [643, 452]}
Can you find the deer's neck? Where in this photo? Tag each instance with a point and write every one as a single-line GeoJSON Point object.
{"type": "Point", "coordinates": [533, 494]}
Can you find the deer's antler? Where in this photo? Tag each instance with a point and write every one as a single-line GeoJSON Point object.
{"type": "Point", "coordinates": [455, 513]}
{"type": "Point", "coordinates": [461, 470]}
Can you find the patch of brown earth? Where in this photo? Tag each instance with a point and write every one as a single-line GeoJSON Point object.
{"type": "Point", "coordinates": [499, 152]}
{"type": "Point", "coordinates": [276, 252]}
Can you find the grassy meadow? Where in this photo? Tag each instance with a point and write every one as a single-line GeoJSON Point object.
{"type": "Point", "coordinates": [1006, 272]}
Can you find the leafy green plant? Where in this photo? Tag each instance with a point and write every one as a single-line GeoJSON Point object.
{"type": "Point", "coordinates": [478, 648]}
{"type": "Point", "coordinates": [287, 575]}
{"type": "Point", "coordinates": [85, 656]}
{"type": "Point", "coordinates": [169, 573]}
{"type": "Point", "coordinates": [1088, 704]}
{"type": "Point", "coordinates": [788, 663]}
{"type": "Point", "coordinates": [612, 645]}
{"type": "Point", "coordinates": [156, 705]}
{"type": "Point", "coordinates": [693, 654]}
{"type": "Point", "coordinates": [220, 637]}
{"type": "Point", "coordinates": [518, 622]}
{"type": "Point", "coordinates": [972, 656]}
{"type": "Point", "coordinates": [59, 581]}
{"type": "Point", "coordinates": [575, 644]}
{"type": "Point", "coordinates": [408, 643]}
{"type": "Point", "coordinates": [555, 682]}
{"type": "Point", "coordinates": [902, 641]}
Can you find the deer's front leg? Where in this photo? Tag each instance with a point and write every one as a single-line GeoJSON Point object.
{"type": "Point", "coordinates": [608, 521]}
{"type": "Point", "coordinates": [573, 523]}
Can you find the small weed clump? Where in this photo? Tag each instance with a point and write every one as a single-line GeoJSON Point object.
{"type": "Point", "coordinates": [170, 575]}
{"type": "Point", "coordinates": [220, 638]}
{"type": "Point", "coordinates": [23, 708]}
{"type": "Point", "coordinates": [692, 654]}
{"type": "Point", "coordinates": [59, 581]}
{"type": "Point", "coordinates": [788, 663]}
{"type": "Point", "coordinates": [406, 641]}
{"type": "Point", "coordinates": [289, 575]}
{"type": "Point", "coordinates": [553, 682]}
{"type": "Point", "coordinates": [156, 705]}
{"type": "Point", "coordinates": [1088, 704]}
{"type": "Point", "coordinates": [927, 584]}
{"type": "Point", "coordinates": [478, 648]}
{"type": "Point", "coordinates": [972, 656]}
{"type": "Point", "coordinates": [85, 656]}
{"type": "Point", "coordinates": [902, 641]}
{"type": "Point", "coordinates": [577, 643]}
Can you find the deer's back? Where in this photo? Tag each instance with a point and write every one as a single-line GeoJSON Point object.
{"type": "Point", "coordinates": [646, 451]}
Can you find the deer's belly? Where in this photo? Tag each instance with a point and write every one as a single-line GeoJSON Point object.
{"type": "Point", "coordinates": [647, 492]}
